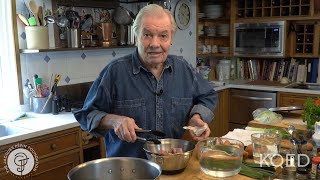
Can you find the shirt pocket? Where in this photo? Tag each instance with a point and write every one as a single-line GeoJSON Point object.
{"type": "Point", "coordinates": [135, 109]}
{"type": "Point", "coordinates": [180, 109]}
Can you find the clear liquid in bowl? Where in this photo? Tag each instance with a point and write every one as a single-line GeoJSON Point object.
{"type": "Point", "coordinates": [222, 161]}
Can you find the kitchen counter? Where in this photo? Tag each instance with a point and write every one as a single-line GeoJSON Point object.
{"type": "Point", "coordinates": [261, 86]}
{"type": "Point", "coordinates": [193, 172]}
{"type": "Point", "coordinates": [38, 125]}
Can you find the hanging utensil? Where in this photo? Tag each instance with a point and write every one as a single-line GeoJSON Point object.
{"type": "Point", "coordinates": [50, 19]}
{"type": "Point", "coordinates": [122, 16]}
{"type": "Point", "coordinates": [63, 21]}
{"type": "Point", "coordinates": [87, 23]}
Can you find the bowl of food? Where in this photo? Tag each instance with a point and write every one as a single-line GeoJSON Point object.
{"type": "Point", "coordinates": [220, 157]}
{"type": "Point", "coordinates": [172, 155]}
{"type": "Point", "coordinates": [124, 168]}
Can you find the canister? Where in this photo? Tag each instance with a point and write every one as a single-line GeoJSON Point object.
{"type": "Point", "coordinates": [74, 40]}
{"type": "Point", "coordinates": [37, 37]}
{"type": "Point", "coordinates": [225, 67]}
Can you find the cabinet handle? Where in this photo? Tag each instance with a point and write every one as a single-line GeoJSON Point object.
{"type": "Point", "coordinates": [291, 100]}
{"type": "Point", "coordinates": [252, 98]}
{"type": "Point", "coordinates": [53, 146]}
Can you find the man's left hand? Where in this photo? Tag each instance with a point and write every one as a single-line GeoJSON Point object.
{"type": "Point", "coordinates": [197, 121]}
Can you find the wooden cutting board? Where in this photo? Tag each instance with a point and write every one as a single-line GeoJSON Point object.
{"type": "Point", "coordinates": [297, 123]}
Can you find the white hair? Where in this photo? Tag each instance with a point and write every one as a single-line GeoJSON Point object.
{"type": "Point", "coordinates": [152, 10]}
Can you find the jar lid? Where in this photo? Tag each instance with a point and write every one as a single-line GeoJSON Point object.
{"type": "Point", "coordinates": [225, 61]}
{"type": "Point", "coordinates": [315, 160]}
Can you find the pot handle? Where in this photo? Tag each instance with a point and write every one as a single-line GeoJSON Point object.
{"type": "Point", "coordinates": [159, 160]}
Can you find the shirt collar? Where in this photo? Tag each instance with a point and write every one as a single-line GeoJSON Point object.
{"type": "Point", "coordinates": [137, 65]}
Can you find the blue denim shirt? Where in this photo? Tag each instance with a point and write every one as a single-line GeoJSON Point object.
{"type": "Point", "coordinates": [125, 87]}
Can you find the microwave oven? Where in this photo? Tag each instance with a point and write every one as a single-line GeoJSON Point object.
{"type": "Point", "coordinates": [259, 39]}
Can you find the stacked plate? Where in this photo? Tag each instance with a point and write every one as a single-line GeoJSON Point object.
{"type": "Point", "coordinates": [224, 50]}
{"type": "Point", "coordinates": [213, 11]}
{"type": "Point", "coordinates": [210, 30]}
{"type": "Point", "coordinates": [223, 30]}
{"type": "Point", "coordinates": [201, 15]}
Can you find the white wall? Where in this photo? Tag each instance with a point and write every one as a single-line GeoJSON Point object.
{"type": "Point", "coordinates": [84, 66]}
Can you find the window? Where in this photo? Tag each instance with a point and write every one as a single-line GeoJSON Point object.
{"type": "Point", "coordinates": [9, 89]}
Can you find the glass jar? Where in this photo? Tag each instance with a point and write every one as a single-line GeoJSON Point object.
{"type": "Point", "coordinates": [225, 66]}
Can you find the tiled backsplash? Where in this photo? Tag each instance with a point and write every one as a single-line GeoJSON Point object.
{"type": "Point", "coordinates": [84, 66]}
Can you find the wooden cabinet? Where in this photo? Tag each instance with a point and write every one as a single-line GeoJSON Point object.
{"type": "Point", "coordinates": [57, 154]}
{"type": "Point", "coordinates": [274, 8]}
{"type": "Point", "coordinates": [304, 39]}
{"type": "Point", "coordinates": [214, 29]}
{"type": "Point", "coordinates": [220, 123]}
{"type": "Point", "coordinates": [292, 99]}
{"type": "Point", "coordinates": [57, 167]}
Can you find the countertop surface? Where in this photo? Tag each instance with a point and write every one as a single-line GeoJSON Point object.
{"type": "Point", "coordinates": [38, 125]}
{"type": "Point", "coordinates": [41, 124]}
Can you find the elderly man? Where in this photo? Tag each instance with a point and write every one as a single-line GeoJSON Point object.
{"type": "Point", "coordinates": [147, 89]}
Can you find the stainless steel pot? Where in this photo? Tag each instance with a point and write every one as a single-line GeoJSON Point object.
{"type": "Point", "coordinates": [170, 163]}
{"type": "Point", "coordinates": [124, 168]}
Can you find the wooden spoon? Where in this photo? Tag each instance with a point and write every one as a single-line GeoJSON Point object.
{"type": "Point", "coordinates": [34, 9]}
{"type": "Point", "coordinates": [40, 16]}
{"type": "Point", "coordinates": [23, 19]}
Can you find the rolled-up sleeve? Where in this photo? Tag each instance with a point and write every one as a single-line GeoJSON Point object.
{"type": "Point", "coordinates": [96, 106]}
{"type": "Point", "coordinates": [205, 99]}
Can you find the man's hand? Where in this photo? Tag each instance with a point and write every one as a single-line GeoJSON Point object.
{"type": "Point", "coordinates": [197, 121]}
{"type": "Point", "coordinates": [123, 126]}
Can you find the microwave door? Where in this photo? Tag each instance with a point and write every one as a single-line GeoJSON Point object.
{"type": "Point", "coordinates": [272, 40]}
{"type": "Point", "coordinates": [258, 40]}
{"type": "Point", "coordinates": [249, 41]}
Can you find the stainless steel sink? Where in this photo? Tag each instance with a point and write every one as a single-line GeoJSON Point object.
{"type": "Point", "coordinates": [7, 130]}
{"type": "Point", "coordinates": [307, 86]}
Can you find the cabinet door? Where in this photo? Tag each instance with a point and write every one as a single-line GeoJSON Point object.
{"type": "Point", "coordinates": [293, 99]}
{"type": "Point", "coordinates": [6, 176]}
{"type": "Point", "coordinates": [56, 167]}
{"type": "Point", "coordinates": [219, 125]}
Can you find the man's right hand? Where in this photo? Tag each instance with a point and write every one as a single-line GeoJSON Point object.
{"type": "Point", "coordinates": [123, 126]}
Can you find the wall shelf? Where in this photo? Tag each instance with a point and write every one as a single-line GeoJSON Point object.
{"type": "Point", "coordinates": [27, 51]}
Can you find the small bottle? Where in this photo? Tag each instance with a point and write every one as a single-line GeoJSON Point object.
{"type": "Point", "coordinates": [314, 168]}
{"type": "Point", "coordinates": [55, 106]}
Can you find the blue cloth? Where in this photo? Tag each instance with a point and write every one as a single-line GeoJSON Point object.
{"type": "Point", "coordinates": [125, 87]}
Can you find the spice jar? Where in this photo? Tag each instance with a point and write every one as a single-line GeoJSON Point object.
{"type": "Point", "coordinates": [314, 168]}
